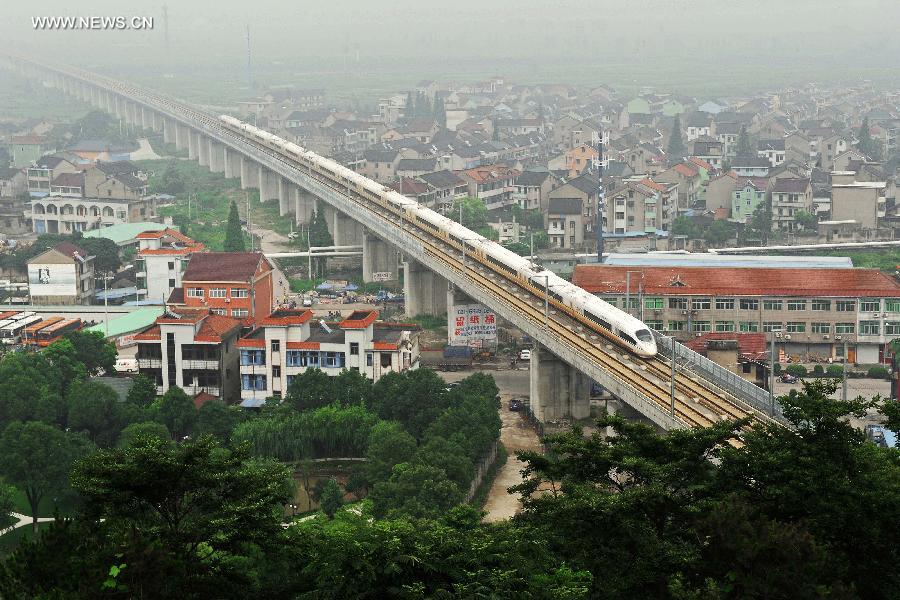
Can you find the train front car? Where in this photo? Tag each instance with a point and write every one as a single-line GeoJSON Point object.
{"type": "Point", "coordinates": [627, 330]}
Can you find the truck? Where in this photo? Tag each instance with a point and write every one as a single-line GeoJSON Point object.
{"type": "Point", "coordinates": [456, 358]}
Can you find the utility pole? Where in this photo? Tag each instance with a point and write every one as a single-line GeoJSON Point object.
{"type": "Point", "coordinates": [601, 204]}
{"type": "Point", "coordinates": [672, 384]}
{"type": "Point", "coordinates": [844, 375]}
{"type": "Point", "coordinates": [772, 378]}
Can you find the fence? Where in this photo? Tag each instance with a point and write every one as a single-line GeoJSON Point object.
{"type": "Point", "coordinates": [484, 465]}
{"type": "Point", "coordinates": [734, 384]}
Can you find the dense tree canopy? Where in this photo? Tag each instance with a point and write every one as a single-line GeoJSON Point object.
{"type": "Point", "coordinates": [234, 235]}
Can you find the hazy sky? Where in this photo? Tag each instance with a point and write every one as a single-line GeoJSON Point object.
{"type": "Point", "coordinates": [652, 42]}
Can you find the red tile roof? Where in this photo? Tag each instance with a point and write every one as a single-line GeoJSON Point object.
{"type": "Point", "coordinates": [70, 249]}
{"type": "Point", "coordinates": [736, 281]}
{"type": "Point", "coordinates": [751, 346]}
{"type": "Point", "coordinates": [359, 319]}
{"type": "Point", "coordinates": [654, 185]}
{"type": "Point", "coordinates": [176, 297]}
{"type": "Point", "coordinates": [150, 334]}
{"type": "Point", "coordinates": [202, 398]}
{"type": "Point", "coordinates": [384, 346]}
{"type": "Point", "coordinates": [251, 343]}
{"type": "Point", "coordinates": [701, 163]}
{"type": "Point", "coordinates": [686, 170]}
{"type": "Point", "coordinates": [223, 266]}
{"type": "Point", "coordinates": [216, 327]}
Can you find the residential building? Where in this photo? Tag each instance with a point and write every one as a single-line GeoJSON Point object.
{"type": "Point", "coordinates": [709, 150]}
{"type": "Point", "coordinates": [120, 180]}
{"type": "Point", "coordinates": [13, 182]}
{"type": "Point", "coordinates": [443, 189]}
{"type": "Point", "coordinates": [289, 342]}
{"type": "Point", "coordinates": [642, 206]}
{"type": "Point", "coordinates": [492, 184]}
{"type": "Point", "coordinates": [771, 150]}
{"type": "Point", "coordinates": [809, 313]}
{"type": "Point", "coordinates": [697, 125]}
{"type": "Point", "coordinates": [234, 284]}
{"type": "Point", "coordinates": [687, 176]}
{"type": "Point", "coordinates": [161, 259]}
{"type": "Point", "coordinates": [193, 349]}
{"type": "Point", "coordinates": [580, 158]}
{"type": "Point", "coordinates": [44, 170]}
{"type": "Point", "coordinates": [718, 193]}
{"type": "Point", "coordinates": [860, 201]}
{"type": "Point", "coordinates": [12, 216]}
{"type": "Point", "coordinates": [750, 166]}
{"type": "Point", "coordinates": [25, 150]}
{"type": "Point", "coordinates": [65, 214]}
{"type": "Point", "coordinates": [790, 195]}
{"type": "Point", "coordinates": [63, 274]}
{"type": "Point", "coordinates": [748, 194]}
{"type": "Point", "coordinates": [508, 232]}
{"type": "Point", "coordinates": [533, 190]}
{"type": "Point", "coordinates": [572, 214]}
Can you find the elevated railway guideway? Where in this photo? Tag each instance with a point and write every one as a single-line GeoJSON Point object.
{"type": "Point", "coordinates": [700, 393]}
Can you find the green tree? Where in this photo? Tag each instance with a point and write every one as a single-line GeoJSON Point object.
{"type": "Point", "coordinates": [218, 420]}
{"type": "Point", "coordinates": [37, 458]}
{"type": "Point", "coordinates": [388, 445]}
{"type": "Point", "coordinates": [867, 144]}
{"type": "Point", "coordinates": [448, 456]}
{"type": "Point", "coordinates": [176, 411]}
{"type": "Point", "coordinates": [718, 233]}
{"type": "Point", "coordinates": [806, 220]}
{"type": "Point", "coordinates": [30, 389]}
{"type": "Point", "coordinates": [171, 181]}
{"type": "Point", "coordinates": [142, 392]}
{"type": "Point", "coordinates": [93, 351]}
{"type": "Point", "coordinates": [412, 398]}
{"type": "Point", "coordinates": [760, 225]}
{"type": "Point", "coordinates": [409, 109]}
{"type": "Point", "coordinates": [474, 213]}
{"type": "Point", "coordinates": [744, 147]}
{"type": "Point", "coordinates": [418, 491]}
{"type": "Point", "coordinates": [63, 356]}
{"type": "Point", "coordinates": [94, 408]}
{"type": "Point", "coordinates": [7, 504]}
{"type": "Point", "coordinates": [675, 151]}
{"type": "Point", "coordinates": [331, 497]}
{"type": "Point", "coordinates": [310, 390]}
{"type": "Point", "coordinates": [234, 235]}
{"type": "Point", "coordinates": [105, 253]}
{"type": "Point", "coordinates": [684, 225]}
{"type": "Point", "coordinates": [134, 432]}
{"type": "Point", "coordinates": [440, 113]}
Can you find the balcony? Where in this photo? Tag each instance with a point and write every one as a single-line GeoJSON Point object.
{"type": "Point", "coordinates": [149, 363]}
{"type": "Point", "coordinates": [193, 390]}
{"type": "Point", "coordinates": [209, 365]}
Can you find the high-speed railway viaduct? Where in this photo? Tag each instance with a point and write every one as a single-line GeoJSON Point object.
{"type": "Point", "coordinates": [570, 354]}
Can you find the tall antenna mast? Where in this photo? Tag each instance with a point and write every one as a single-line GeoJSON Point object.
{"type": "Point", "coordinates": [601, 201]}
{"type": "Point", "coordinates": [249, 72]}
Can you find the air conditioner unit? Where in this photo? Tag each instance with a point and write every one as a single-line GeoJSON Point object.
{"type": "Point", "coordinates": [778, 334]}
{"type": "Point", "coordinates": [684, 312]}
{"type": "Point", "coordinates": [837, 337]}
{"type": "Point", "coordinates": [227, 300]}
{"type": "Point", "coordinates": [698, 334]}
{"type": "Point", "coordinates": [787, 337]}
{"type": "Point", "coordinates": [825, 336]}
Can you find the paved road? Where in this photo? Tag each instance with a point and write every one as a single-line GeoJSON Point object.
{"type": "Point", "coordinates": [22, 521]}
{"type": "Point", "coordinates": [145, 152]}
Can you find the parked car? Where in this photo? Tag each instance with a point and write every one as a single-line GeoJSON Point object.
{"type": "Point", "coordinates": [788, 378]}
{"type": "Point", "coordinates": [127, 365]}
{"type": "Point", "coordinates": [525, 354]}
{"type": "Point", "coordinates": [515, 405]}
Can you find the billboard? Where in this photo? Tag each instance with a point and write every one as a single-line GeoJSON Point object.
{"type": "Point", "coordinates": [52, 280]}
{"type": "Point", "coordinates": [472, 325]}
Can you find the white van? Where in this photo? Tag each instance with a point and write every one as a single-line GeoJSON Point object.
{"type": "Point", "coordinates": [127, 365]}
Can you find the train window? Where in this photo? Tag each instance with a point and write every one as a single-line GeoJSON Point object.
{"type": "Point", "coordinates": [601, 322]}
{"type": "Point", "coordinates": [627, 338]}
{"type": "Point", "coordinates": [497, 263]}
{"type": "Point", "coordinates": [644, 335]}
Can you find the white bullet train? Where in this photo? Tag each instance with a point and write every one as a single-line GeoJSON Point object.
{"type": "Point", "coordinates": [563, 295]}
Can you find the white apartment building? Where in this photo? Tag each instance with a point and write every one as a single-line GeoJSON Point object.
{"type": "Point", "coordinates": [162, 258]}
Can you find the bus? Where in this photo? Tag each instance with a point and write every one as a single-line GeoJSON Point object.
{"type": "Point", "coordinates": [32, 330]}
{"type": "Point", "coordinates": [11, 333]}
{"type": "Point", "coordinates": [7, 314]}
{"type": "Point", "coordinates": [21, 315]}
{"type": "Point", "coordinates": [47, 335]}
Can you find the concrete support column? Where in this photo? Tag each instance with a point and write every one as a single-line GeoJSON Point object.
{"type": "Point", "coordinates": [182, 135]}
{"type": "Point", "coordinates": [425, 291]}
{"type": "Point", "coordinates": [232, 163]}
{"type": "Point", "coordinates": [558, 391]}
{"type": "Point", "coordinates": [146, 118]}
{"type": "Point", "coordinates": [216, 156]}
{"type": "Point", "coordinates": [304, 205]}
{"type": "Point", "coordinates": [169, 130]}
{"type": "Point", "coordinates": [285, 194]}
{"type": "Point", "coordinates": [193, 139]}
{"type": "Point", "coordinates": [110, 103]}
{"type": "Point", "coordinates": [157, 122]}
{"type": "Point", "coordinates": [378, 257]}
{"type": "Point", "coordinates": [268, 184]}
{"type": "Point", "coordinates": [203, 143]}
{"type": "Point", "coordinates": [249, 173]}
{"type": "Point", "coordinates": [344, 230]}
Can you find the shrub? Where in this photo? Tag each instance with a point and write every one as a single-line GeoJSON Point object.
{"type": "Point", "coordinates": [835, 371]}
{"type": "Point", "coordinates": [778, 368]}
{"type": "Point", "coordinates": [818, 371]}
{"type": "Point", "coordinates": [878, 372]}
{"type": "Point", "coordinates": [796, 370]}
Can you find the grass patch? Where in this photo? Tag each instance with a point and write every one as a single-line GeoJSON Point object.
{"type": "Point", "coordinates": [431, 322]}
{"type": "Point", "coordinates": [487, 481]}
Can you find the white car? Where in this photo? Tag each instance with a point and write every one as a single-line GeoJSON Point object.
{"type": "Point", "coordinates": [525, 354]}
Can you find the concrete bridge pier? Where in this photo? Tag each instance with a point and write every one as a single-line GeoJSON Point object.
{"type": "Point", "coordinates": [193, 144]}
{"type": "Point", "coordinates": [268, 184]}
{"type": "Point", "coordinates": [203, 143]}
{"type": "Point", "coordinates": [425, 290]}
{"type": "Point", "coordinates": [232, 163]}
{"type": "Point", "coordinates": [285, 196]}
{"type": "Point", "coordinates": [304, 205]}
{"type": "Point", "coordinates": [378, 257]}
{"type": "Point", "coordinates": [249, 173]}
{"type": "Point", "coordinates": [157, 122]}
{"type": "Point", "coordinates": [216, 153]}
{"type": "Point", "coordinates": [169, 129]}
{"type": "Point", "coordinates": [558, 391]}
{"type": "Point", "coordinates": [109, 103]}
{"type": "Point", "coordinates": [146, 117]}
{"type": "Point", "coordinates": [182, 135]}
{"type": "Point", "coordinates": [344, 230]}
